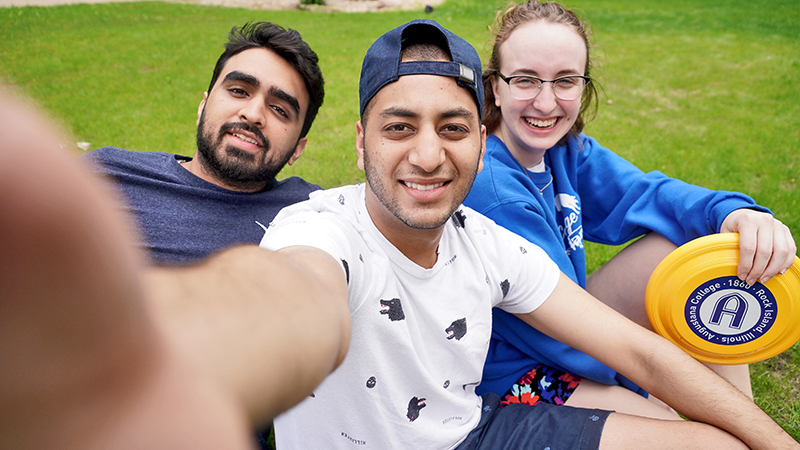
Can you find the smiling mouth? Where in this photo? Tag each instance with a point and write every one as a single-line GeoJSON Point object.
{"type": "Point", "coordinates": [423, 187]}
{"type": "Point", "coordinates": [246, 139]}
{"type": "Point", "coordinates": [544, 124]}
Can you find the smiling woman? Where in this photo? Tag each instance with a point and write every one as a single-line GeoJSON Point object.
{"type": "Point", "coordinates": [537, 115]}
{"type": "Point", "coordinates": [552, 184]}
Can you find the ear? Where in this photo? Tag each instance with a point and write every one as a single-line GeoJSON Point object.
{"type": "Point", "coordinates": [495, 91]}
{"type": "Point", "coordinates": [201, 107]}
{"type": "Point", "coordinates": [483, 147]}
{"type": "Point", "coordinates": [298, 150]}
{"type": "Point", "coordinates": [360, 144]}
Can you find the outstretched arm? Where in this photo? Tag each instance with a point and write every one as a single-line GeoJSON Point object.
{"type": "Point", "coordinates": [257, 320]}
{"type": "Point", "coordinates": [576, 318]}
{"type": "Point", "coordinates": [98, 352]}
{"type": "Point", "coordinates": [766, 246]}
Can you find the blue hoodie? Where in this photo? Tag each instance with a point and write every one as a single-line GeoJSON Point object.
{"type": "Point", "coordinates": [622, 203]}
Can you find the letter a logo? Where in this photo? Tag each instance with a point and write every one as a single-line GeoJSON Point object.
{"type": "Point", "coordinates": [731, 304]}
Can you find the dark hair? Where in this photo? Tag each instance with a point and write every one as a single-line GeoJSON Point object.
{"type": "Point", "coordinates": [289, 45]}
{"type": "Point", "coordinates": [509, 20]}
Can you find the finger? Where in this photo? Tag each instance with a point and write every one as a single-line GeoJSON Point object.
{"type": "Point", "coordinates": [783, 253]}
{"type": "Point", "coordinates": [761, 257]}
{"type": "Point", "coordinates": [748, 245]}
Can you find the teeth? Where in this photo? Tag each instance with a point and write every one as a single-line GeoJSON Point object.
{"type": "Point", "coordinates": [541, 123]}
{"type": "Point", "coordinates": [246, 139]}
{"type": "Point", "coordinates": [424, 187]}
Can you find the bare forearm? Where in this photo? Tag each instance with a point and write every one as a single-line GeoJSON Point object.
{"type": "Point", "coordinates": [730, 409]}
{"type": "Point", "coordinates": [83, 363]}
{"type": "Point", "coordinates": [263, 326]}
{"type": "Point", "coordinates": [655, 364]}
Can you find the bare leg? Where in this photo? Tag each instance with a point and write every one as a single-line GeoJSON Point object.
{"type": "Point", "coordinates": [631, 432]}
{"type": "Point", "coordinates": [621, 283]}
{"type": "Point", "coordinates": [590, 394]}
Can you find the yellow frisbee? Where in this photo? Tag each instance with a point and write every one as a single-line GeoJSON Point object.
{"type": "Point", "coordinates": [695, 300]}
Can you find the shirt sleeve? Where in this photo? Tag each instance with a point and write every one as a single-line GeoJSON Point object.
{"type": "Point", "coordinates": [526, 274]}
{"type": "Point", "coordinates": [627, 202]}
{"type": "Point", "coordinates": [318, 229]}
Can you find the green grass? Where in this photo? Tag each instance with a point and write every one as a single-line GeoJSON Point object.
{"type": "Point", "coordinates": [703, 91]}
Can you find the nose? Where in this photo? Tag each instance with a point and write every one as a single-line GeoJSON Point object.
{"type": "Point", "coordinates": [428, 153]}
{"type": "Point", "coordinates": [546, 99]}
{"type": "Point", "coordinates": [252, 112]}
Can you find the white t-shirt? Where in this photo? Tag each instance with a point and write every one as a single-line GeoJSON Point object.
{"type": "Point", "coordinates": [419, 336]}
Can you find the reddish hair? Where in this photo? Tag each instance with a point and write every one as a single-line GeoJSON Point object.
{"type": "Point", "coordinates": [509, 20]}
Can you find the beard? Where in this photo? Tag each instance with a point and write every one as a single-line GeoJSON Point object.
{"type": "Point", "coordinates": [426, 220]}
{"type": "Point", "coordinates": [235, 167]}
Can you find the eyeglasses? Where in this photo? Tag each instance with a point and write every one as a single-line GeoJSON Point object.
{"type": "Point", "coordinates": [527, 87]}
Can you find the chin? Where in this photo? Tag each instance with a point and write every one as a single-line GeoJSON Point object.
{"type": "Point", "coordinates": [541, 144]}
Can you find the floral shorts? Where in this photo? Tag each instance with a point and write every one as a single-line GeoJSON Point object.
{"type": "Point", "coordinates": [541, 384]}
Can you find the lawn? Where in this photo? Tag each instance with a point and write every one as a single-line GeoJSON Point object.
{"type": "Point", "coordinates": [703, 91]}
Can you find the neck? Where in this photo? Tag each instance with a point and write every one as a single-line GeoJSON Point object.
{"type": "Point", "coordinates": [527, 157]}
{"type": "Point", "coordinates": [418, 245]}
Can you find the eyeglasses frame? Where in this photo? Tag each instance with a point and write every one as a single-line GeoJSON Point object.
{"type": "Point", "coordinates": [586, 80]}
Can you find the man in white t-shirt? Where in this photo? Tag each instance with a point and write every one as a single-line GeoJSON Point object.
{"type": "Point", "coordinates": [98, 351]}
{"type": "Point", "coordinates": [423, 273]}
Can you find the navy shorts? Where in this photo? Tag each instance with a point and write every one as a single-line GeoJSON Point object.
{"type": "Point", "coordinates": [541, 426]}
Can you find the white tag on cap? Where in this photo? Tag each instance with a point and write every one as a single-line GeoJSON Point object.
{"type": "Point", "coordinates": [466, 74]}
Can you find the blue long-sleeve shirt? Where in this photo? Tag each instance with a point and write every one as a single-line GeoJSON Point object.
{"type": "Point", "coordinates": [597, 196]}
{"type": "Point", "coordinates": [182, 218]}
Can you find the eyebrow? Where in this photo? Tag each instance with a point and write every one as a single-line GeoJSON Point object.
{"type": "Point", "coordinates": [397, 111]}
{"type": "Point", "coordinates": [242, 77]}
{"type": "Point", "coordinates": [286, 97]}
{"type": "Point", "coordinates": [457, 112]}
{"type": "Point", "coordinates": [403, 112]}
{"type": "Point", "coordinates": [561, 73]}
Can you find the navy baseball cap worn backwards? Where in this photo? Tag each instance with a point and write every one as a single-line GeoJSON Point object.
{"type": "Point", "coordinates": [382, 64]}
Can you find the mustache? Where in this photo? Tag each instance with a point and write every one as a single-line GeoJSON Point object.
{"type": "Point", "coordinates": [244, 126]}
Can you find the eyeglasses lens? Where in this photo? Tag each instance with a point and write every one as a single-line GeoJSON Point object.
{"type": "Point", "coordinates": [527, 88]}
